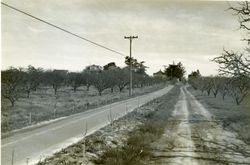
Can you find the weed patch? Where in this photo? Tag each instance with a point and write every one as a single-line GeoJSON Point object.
{"type": "Point", "coordinates": [137, 149]}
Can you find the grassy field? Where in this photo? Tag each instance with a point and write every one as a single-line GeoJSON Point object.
{"type": "Point", "coordinates": [43, 105]}
{"type": "Point", "coordinates": [234, 117]}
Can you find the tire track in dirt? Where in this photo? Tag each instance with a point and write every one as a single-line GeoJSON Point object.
{"type": "Point", "coordinates": [180, 135]}
{"type": "Point", "coordinates": [214, 144]}
{"type": "Point", "coordinates": [194, 137]}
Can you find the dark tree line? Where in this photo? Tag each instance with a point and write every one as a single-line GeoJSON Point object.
{"type": "Point", "coordinates": [18, 81]}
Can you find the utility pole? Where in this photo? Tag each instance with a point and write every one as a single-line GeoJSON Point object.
{"type": "Point", "coordinates": [130, 63]}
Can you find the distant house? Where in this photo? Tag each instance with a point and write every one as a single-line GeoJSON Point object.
{"type": "Point", "coordinates": [159, 74]}
{"type": "Point", "coordinates": [110, 66]}
{"type": "Point", "coordinates": [93, 68]}
{"type": "Point", "coordinates": [194, 74]}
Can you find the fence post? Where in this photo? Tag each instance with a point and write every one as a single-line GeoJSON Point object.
{"type": "Point", "coordinates": [126, 107]}
{"type": "Point", "coordinates": [27, 161]}
{"type": "Point", "coordinates": [12, 156]}
{"type": "Point", "coordinates": [54, 113]}
{"type": "Point", "coordinates": [30, 119]}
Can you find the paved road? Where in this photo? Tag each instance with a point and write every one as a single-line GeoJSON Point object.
{"type": "Point", "coordinates": [194, 137]}
{"type": "Point", "coordinates": [42, 142]}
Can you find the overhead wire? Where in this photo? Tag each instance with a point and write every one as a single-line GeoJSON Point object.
{"type": "Point", "coordinates": [62, 29]}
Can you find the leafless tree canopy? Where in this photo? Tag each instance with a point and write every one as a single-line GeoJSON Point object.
{"type": "Point", "coordinates": [237, 64]}
{"type": "Point", "coordinates": [242, 10]}
{"type": "Point", "coordinates": [234, 64]}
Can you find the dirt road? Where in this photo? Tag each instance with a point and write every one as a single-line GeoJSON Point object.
{"type": "Point", "coordinates": [194, 137]}
{"type": "Point", "coordinates": [30, 146]}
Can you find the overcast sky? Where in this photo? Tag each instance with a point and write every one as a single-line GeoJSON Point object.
{"type": "Point", "coordinates": [190, 32]}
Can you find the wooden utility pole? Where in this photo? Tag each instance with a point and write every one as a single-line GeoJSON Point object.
{"type": "Point", "coordinates": [130, 64]}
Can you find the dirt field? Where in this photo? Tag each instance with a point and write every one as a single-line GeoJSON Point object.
{"type": "Point", "coordinates": [43, 105]}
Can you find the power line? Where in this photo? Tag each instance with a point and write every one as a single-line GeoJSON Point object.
{"type": "Point", "coordinates": [62, 29]}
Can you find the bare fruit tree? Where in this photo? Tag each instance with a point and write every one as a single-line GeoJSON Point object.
{"type": "Point", "coordinates": [239, 89]}
{"type": "Point", "coordinates": [31, 79]}
{"type": "Point", "coordinates": [75, 80]}
{"type": "Point", "coordinates": [207, 84]}
{"type": "Point", "coordinates": [121, 78]}
{"type": "Point", "coordinates": [235, 63]}
{"type": "Point", "coordinates": [242, 10]}
{"type": "Point", "coordinates": [224, 86]}
{"type": "Point", "coordinates": [215, 84]}
{"type": "Point", "coordinates": [55, 78]}
{"type": "Point", "coordinates": [11, 81]}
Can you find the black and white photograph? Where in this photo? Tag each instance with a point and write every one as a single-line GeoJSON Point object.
{"type": "Point", "coordinates": [125, 82]}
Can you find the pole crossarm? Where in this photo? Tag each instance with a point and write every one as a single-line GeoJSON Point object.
{"type": "Point", "coordinates": [130, 37]}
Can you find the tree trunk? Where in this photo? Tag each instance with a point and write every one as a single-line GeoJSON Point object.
{"type": "Point", "coordinates": [208, 92]}
{"type": "Point", "coordinates": [100, 93]}
{"type": "Point", "coordinates": [55, 89]}
{"type": "Point", "coordinates": [215, 94]}
{"type": "Point", "coordinates": [88, 87]}
{"type": "Point", "coordinates": [223, 96]}
{"type": "Point", "coordinates": [12, 102]}
{"type": "Point", "coordinates": [120, 89]}
{"type": "Point", "coordinates": [237, 101]}
{"type": "Point", "coordinates": [28, 93]}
